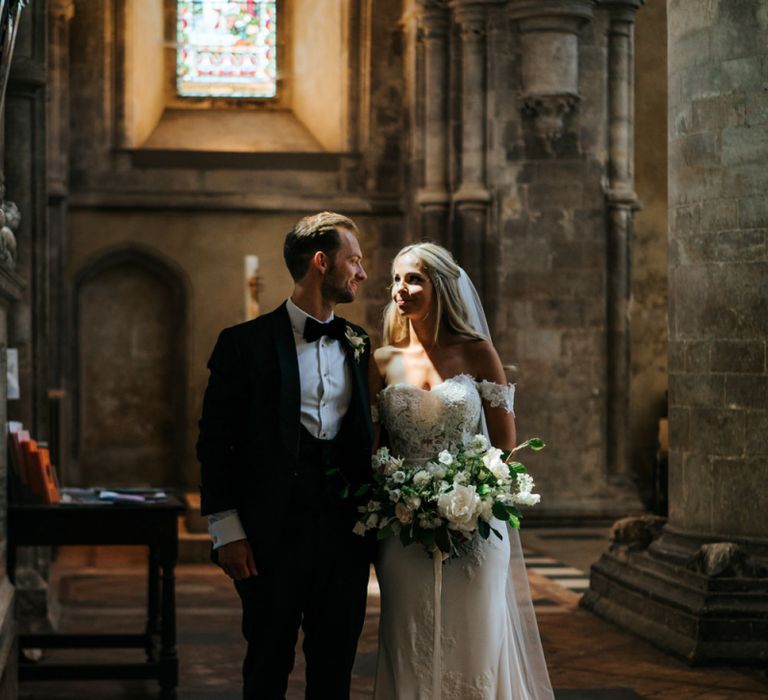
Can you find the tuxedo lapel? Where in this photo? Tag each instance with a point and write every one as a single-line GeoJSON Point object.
{"type": "Point", "coordinates": [290, 386]}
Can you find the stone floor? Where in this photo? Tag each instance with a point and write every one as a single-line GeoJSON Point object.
{"type": "Point", "coordinates": [103, 590]}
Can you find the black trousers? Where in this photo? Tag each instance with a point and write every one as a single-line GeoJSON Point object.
{"type": "Point", "coordinates": [318, 582]}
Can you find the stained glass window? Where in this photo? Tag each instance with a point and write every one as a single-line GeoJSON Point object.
{"type": "Point", "coordinates": [226, 48]}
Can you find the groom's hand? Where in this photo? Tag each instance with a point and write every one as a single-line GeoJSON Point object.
{"type": "Point", "coordinates": [236, 558]}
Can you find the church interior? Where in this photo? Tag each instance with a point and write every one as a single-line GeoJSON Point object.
{"type": "Point", "coordinates": [598, 167]}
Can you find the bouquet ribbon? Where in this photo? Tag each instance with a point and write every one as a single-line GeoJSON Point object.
{"type": "Point", "coordinates": [437, 557]}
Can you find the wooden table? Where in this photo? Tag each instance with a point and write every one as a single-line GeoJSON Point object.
{"type": "Point", "coordinates": [154, 524]}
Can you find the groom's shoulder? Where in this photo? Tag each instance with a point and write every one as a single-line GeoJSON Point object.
{"type": "Point", "coordinates": [254, 328]}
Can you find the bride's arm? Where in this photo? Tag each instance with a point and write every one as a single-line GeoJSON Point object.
{"type": "Point", "coordinates": [375, 385]}
{"type": "Point", "coordinates": [499, 417]}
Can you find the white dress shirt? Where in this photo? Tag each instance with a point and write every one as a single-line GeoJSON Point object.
{"type": "Point", "coordinates": [326, 391]}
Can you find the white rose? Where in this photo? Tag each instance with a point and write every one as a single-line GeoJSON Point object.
{"type": "Point", "coordinates": [359, 529]}
{"type": "Point", "coordinates": [403, 514]}
{"type": "Point", "coordinates": [399, 477]}
{"type": "Point", "coordinates": [437, 470]}
{"type": "Point", "coordinates": [445, 458]}
{"type": "Point", "coordinates": [421, 478]}
{"type": "Point", "coordinates": [460, 507]}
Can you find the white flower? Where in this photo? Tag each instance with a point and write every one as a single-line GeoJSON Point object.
{"type": "Point", "coordinates": [412, 502]}
{"type": "Point", "coordinates": [479, 442]}
{"type": "Point", "coordinates": [359, 528]}
{"type": "Point", "coordinates": [459, 507]}
{"type": "Point", "coordinates": [356, 341]}
{"type": "Point", "coordinates": [393, 465]}
{"type": "Point", "coordinates": [485, 511]}
{"type": "Point", "coordinates": [381, 456]}
{"type": "Point", "coordinates": [445, 458]}
{"type": "Point", "coordinates": [373, 521]}
{"type": "Point", "coordinates": [399, 477]}
{"type": "Point", "coordinates": [527, 499]}
{"type": "Point", "coordinates": [403, 514]}
{"type": "Point", "coordinates": [462, 477]}
{"type": "Point", "coordinates": [492, 459]}
{"type": "Point", "coordinates": [394, 495]}
{"type": "Point", "coordinates": [437, 470]}
{"type": "Point", "coordinates": [524, 483]}
{"type": "Point", "coordinates": [421, 478]}
{"type": "Point", "coordinates": [374, 506]}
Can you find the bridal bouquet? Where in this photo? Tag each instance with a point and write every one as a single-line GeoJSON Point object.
{"type": "Point", "coordinates": [445, 501]}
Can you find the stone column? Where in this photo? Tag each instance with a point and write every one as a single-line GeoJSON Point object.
{"type": "Point", "coordinates": [621, 204]}
{"type": "Point", "coordinates": [60, 14]}
{"type": "Point", "coordinates": [434, 197]}
{"type": "Point", "coordinates": [699, 586]}
{"type": "Point", "coordinates": [472, 197]}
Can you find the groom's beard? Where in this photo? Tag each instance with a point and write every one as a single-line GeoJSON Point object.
{"type": "Point", "coordinates": [335, 287]}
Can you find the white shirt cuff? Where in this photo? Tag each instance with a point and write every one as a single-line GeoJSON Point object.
{"type": "Point", "coordinates": [225, 527]}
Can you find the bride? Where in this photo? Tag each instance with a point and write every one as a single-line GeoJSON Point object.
{"type": "Point", "coordinates": [436, 382]}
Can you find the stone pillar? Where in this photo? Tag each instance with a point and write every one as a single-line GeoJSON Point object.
{"type": "Point", "coordinates": [60, 14]}
{"type": "Point", "coordinates": [699, 586]}
{"type": "Point", "coordinates": [621, 204]}
{"type": "Point", "coordinates": [472, 197]}
{"type": "Point", "coordinates": [433, 198]}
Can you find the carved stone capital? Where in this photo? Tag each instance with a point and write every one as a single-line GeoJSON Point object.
{"type": "Point", "coordinates": [548, 113]}
{"type": "Point", "coordinates": [472, 16]}
{"type": "Point", "coordinates": [551, 15]}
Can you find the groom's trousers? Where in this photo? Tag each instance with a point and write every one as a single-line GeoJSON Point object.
{"type": "Point", "coordinates": [315, 580]}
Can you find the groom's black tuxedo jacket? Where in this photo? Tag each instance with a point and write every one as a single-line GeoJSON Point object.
{"type": "Point", "coordinates": [248, 444]}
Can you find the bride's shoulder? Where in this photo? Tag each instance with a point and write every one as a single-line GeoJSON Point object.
{"type": "Point", "coordinates": [481, 359]}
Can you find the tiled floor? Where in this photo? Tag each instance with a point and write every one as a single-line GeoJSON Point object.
{"type": "Point", "coordinates": [588, 659]}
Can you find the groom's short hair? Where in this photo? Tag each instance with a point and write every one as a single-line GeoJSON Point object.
{"type": "Point", "coordinates": [311, 234]}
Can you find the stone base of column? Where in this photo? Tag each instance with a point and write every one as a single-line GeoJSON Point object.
{"type": "Point", "coordinates": [694, 596]}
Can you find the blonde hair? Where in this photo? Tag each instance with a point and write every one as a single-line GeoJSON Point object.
{"type": "Point", "coordinates": [438, 264]}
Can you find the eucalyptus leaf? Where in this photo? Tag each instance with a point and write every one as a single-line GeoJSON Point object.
{"type": "Point", "coordinates": [536, 444]}
{"type": "Point", "coordinates": [331, 472]}
{"type": "Point", "coordinates": [345, 492]}
{"type": "Point", "coordinates": [362, 490]}
{"type": "Point", "coordinates": [497, 533]}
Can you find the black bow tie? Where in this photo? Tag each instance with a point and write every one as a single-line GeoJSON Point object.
{"type": "Point", "coordinates": [314, 330]}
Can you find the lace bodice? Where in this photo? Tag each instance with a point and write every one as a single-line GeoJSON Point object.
{"type": "Point", "coordinates": [422, 422]}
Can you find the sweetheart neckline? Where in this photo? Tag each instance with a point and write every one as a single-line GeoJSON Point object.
{"type": "Point", "coordinates": [431, 389]}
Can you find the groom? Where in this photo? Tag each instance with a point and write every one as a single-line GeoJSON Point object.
{"type": "Point", "coordinates": [285, 429]}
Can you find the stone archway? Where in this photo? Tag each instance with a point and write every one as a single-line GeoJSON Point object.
{"type": "Point", "coordinates": [130, 312]}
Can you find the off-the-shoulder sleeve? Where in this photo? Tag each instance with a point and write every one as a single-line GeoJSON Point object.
{"type": "Point", "coordinates": [498, 395]}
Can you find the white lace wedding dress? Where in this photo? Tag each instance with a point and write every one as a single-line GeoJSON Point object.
{"type": "Point", "coordinates": [490, 646]}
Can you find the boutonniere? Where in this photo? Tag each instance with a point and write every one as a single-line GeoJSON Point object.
{"type": "Point", "coordinates": [356, 341]}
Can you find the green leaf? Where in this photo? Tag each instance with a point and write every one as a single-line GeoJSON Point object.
{"type": "Point", "coordinates": [345, 492]}
{"type": "Point", "coordinates": [536, 444]}
{"type": "Point", "coordinates": [333, 471]}
{"type": "Point", "coordinates": [385, 532]}
{"type": "Point", "coordinates": [514, 521]}
{"type": "Point", "coordinates": [362, 490]}
{"type": "Point", "coordinates": [500, 510]}
{"type": "Point", "coordinates": [497, 533]}
{"type": "Point", "coordinates": [483, 528]}
{"type": "Point", "coordinates": [483, 489]}
{"type": "Point", "coordinates": [517, 468]}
